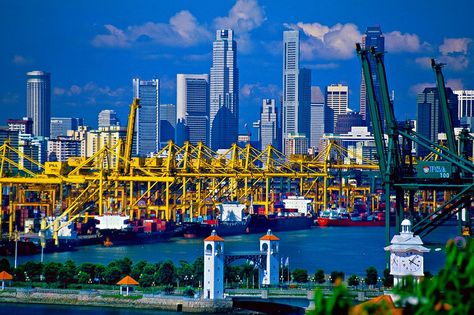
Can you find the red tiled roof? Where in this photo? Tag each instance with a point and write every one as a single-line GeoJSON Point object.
{"type": "Point", "coordinates": [127, 281]}
{"type": "Point", "coordinates": [5, 276]}
{"type": "Point", "coordinates": [214, 238]}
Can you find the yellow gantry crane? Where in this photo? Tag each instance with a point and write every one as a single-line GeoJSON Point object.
{"type": "Point", "coordinates": [190, 180]}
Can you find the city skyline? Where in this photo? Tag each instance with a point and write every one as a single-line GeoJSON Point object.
{"type": "Point", "coordinates": [179, 40]}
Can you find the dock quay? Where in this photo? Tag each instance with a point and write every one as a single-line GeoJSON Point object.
{"type": "Point", "coordinates": [113, 299]}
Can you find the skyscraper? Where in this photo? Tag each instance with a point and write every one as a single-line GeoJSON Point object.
{"type": "Point", "coordinates": [167, 123]}
{"type": "Point", "coordinates": [373, 38]}
{"type": "Point", "coordinates": [107, 118]}
{"type": "Point", "coordinates": [269, 131]}
{"type": "Point", "coordinates": [60, 125]}
{"type": "Point", "coordinates": [147, 127]}
{"type": "Point", "coordinates": [317, 116]}
{"type": "Point", "coordinates": [465, 103]}
{"type": "Point", "coordinates": [337, 98]}
{"type": "Point", "coordinates": [224, 91]}
{"type": "Point", "coordinates": [192, 106]}
{"type": "Point", "coordinates": [429, 120]}
{"type": "Point", "coordinates": [38, 101]}
{"type": "Point", "coordinates": [296, 91]}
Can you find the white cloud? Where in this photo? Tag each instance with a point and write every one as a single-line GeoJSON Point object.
{"type": "Point", "coordinates": [115, 38]}
{"type": "Point", "coordinates": [258, 91]}
{"type": "Point", "coordinates": [323, 66]}
{"type": "Point", "coordinates": [456, 63]}
{"type": "Point", "coordinates": [455, 45]}
{"type": "Point", "coordinates": [419, 87]}
{"type": "Point", "coordinates": [335, 42]}
{"type": "Point", "coordinates": [243, 17]}
{"type": "Point", "coordinates": [59, 91]}
{"type": "Point", "coordinates": [455, 84]}
{"type": "Point", "coordinates": [424, 62]}
{"type": "Point", "coordinates": [403, 42]}
{"type": "Point", "coordinates": [183, 30]}
{"type": "Point", "coordinates": [90, 91]}
{"type": "Point", "coordinates": [20, 60]}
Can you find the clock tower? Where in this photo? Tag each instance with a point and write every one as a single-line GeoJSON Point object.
{"type": "Point", "coordinates": [406, 254]}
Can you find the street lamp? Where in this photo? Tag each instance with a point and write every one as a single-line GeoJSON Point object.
{"type": "Point", "coordinates": [153, 288]}
{"type": "Point", "coordinates": [17, 238]}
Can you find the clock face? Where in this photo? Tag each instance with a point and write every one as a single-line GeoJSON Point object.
{"type": "Point", "coordinates": [410, 262]}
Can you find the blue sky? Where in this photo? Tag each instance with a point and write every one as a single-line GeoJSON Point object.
{"type": "Point", "coordinates": [93, 49]}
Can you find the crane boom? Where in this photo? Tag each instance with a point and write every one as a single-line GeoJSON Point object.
{"type": "Point", "coordinates": [130, 131]}
{"type": "Point", "coordinates": [447, 121]}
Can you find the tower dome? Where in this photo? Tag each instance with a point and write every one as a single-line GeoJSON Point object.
{"type": "Point", "coordinates": [406, 226]}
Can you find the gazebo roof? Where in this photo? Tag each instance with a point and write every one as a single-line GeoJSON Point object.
{"type": "Point", "coordinates": [5, 276]}
{"type": "Point", "coordinates": [127, 281]}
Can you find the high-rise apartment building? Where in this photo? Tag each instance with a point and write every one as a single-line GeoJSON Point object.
{"type": "Point", "coordinates": [268, 125]}
{"type": "Point", "coordinates": [192, 107]}
{"type": "Point", "coordinates": [38, 100]}
{"type": "Point", "coordinates": [296, 144]}
{"type": "Point", "coordinates": [429, 120]}
{"type": "Point", "coordinates": [60, 125]}
{"type": "Point", "coordinates": [373, 37]}
{"type": "Point", "coordinates": [317, 116]}
{"type": "Point", "coordinates": [107, 118]}
{"type": "Point", "coordinates": [224, 91]}
{"type": "Point", "coordinates": [24, 126]}
{"type": "Point", "coordinates": [167, 123]}
{"type": "Point", "coordinates": [465, 103]}
{"type": "Point", "coordinates": [337, 98]}
{"type": "Point", "coordinates": [147, 127]}
{"type": "Point", "coordinates": [296, 90]}
{"type": "Point", "coordinates": [62, 148]}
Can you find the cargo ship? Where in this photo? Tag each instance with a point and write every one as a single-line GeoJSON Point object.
{"type": "Point", "coordinates": [340, 217]}
{"type": "Point", "coordinates": [119, 230]}
{"type": "Point", "coordinates": [232, 220]}
{"type": "Point", "coordinates": [291, 214]}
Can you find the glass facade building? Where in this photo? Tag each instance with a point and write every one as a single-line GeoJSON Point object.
{"type": "Point", "coordinates": [147, 127]}
{"type": "Point", "coordinates": [192, 100]}
{"type": "Point", "coordinates": [38, 100]}
{"type": "Point", "coordinates": [224, 91]}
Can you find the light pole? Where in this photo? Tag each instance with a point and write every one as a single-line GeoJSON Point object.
{"type": "Point", "coordinates": [17, 238]}
{"type": "Point", "coordinates": [153, 288]}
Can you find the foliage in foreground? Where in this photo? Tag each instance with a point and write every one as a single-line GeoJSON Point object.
{"type": "Point", "coordinates": [450, 292]}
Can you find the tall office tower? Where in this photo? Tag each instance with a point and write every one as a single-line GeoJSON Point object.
{"type": "Point", "coordinates": [147, 127]}
{"type": "Point", "coordinates": [373, 37]}
{"type": "Point", "coordinates": [38, 99]}
{"type": "Point", "coordinates": [107, 118]}
{"type": "Point", "coordinates": [224, 91]}
{"type": "Point", "coordinates": [268, 127]}
{"type": "Point", "coordinates": [167, 123]}
{"type": "Point", "coordinates": [348, 120]}
{"type": "Point", "coordinates": [465, 103]}
{"type": "Point", "coordinates": [192, 107]}
{"type": "Point", "coordinates": [317, 116]}
{"type": "Point", "coordinates": [60, 125]}
{"type": "Point", "coordinates": [429, 120]}
{"type": "Point", "coordinates": [337, 98]}
{"type": "Point", "coordinates": [296, 91]}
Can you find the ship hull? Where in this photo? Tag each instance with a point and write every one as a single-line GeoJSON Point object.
{"type": "Point", "coordinates": [347, 222]}
{"type": "Point", "coordinates": [124, 237]}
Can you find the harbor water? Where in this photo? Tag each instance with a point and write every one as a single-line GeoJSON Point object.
{"type": "Point", "coordinates": [347, 249]}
